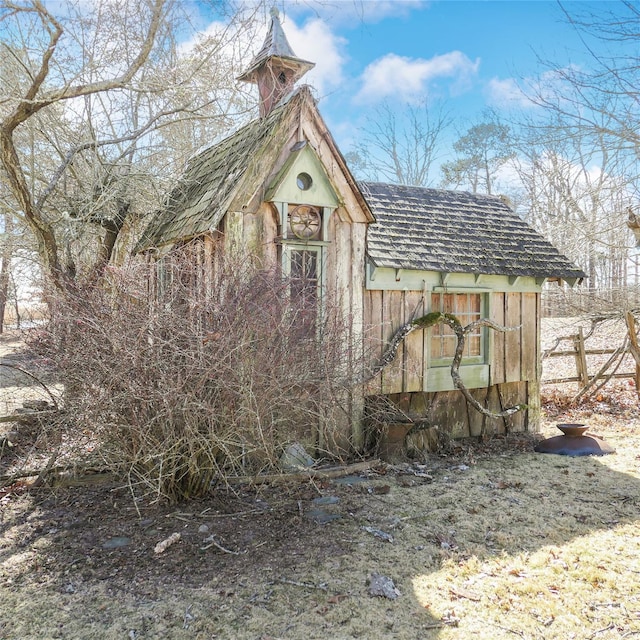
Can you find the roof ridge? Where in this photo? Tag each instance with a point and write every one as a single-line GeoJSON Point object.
{"type": "Point", "coordinates": [435, 189]}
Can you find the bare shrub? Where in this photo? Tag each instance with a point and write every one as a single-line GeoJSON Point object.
{"type": "Point", "coordinates": [199, 378]}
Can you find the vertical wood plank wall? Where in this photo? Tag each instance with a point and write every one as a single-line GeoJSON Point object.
{"type": "Point", "coordinates": [512, 356]}
{"type": "Point", "coordinates": [344, 280]}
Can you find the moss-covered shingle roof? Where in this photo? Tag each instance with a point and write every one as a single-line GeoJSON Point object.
{"type": "Point", "coordinates": [211, 179]}
{"type": "Point", "coordinates": [456, 232]}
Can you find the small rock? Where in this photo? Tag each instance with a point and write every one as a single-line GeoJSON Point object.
{"type": "Point", "coordinates": [295, 457]}
{"type": "Point", "coordinates": [382, 586]}
{"type": "Point", "coordinates": [115, 543]}
{"type": "Point", "coordinates": [319, 516]}
{"type": "Point", "coordinates": [379, 534]}
{"type": "Point", "coordinates": [203, 528]}
{"type": "Point", "coordinates": [326, 500]}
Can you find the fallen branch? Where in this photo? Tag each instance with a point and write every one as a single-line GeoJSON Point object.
{"type": "Point", "coordinates": [82, 475]}
{"type": "Point", "coordinates": [20, 417]}
{"type": "Point", "coordinates": [306, 585]}
{"type": "Point", "coordinates": [213, 543]}
{"type": "Point", "coordinates": [161, 547]}
{"type": "Point", "coordinates": [39, 481]}
{"type": "Point", "coordinates": [307, 474]}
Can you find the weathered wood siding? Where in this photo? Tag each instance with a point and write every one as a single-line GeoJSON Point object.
{"type": "Point", "coordinates": [512, 359]}
{"type": "Point", "coordinates": [512, 356]}
{"type": "Point", "coordinates": [450, 414]}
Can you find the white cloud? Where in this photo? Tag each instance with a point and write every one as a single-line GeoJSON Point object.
{"type": "Point", "coordinates": [409, 79]}
{"type": "Point", "coordinates": [315, 42]}
{"type": "Point", "coordinates": [354, 11]}
{"type": "Point", "coordinates": [507, 92]}
{"type": "Point", "coordinates": [527, 92]}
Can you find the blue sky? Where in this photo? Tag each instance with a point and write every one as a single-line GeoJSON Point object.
{"type": "Point", "coordinates": [467, 55]}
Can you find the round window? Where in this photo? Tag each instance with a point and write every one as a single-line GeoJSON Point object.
{"type": "Point", "coordinates": [304, 181]}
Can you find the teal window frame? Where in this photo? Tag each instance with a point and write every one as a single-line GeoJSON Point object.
{"type": "Point", "coordinates": [446, 333]}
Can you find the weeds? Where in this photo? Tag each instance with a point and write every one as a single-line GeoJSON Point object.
{"type": "Point", "coordinates": [187, 383]}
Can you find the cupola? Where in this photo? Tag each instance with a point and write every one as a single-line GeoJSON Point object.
{"type": "Point", "coordinates": [275, 68]}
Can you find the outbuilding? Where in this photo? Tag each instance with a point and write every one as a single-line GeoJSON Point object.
{"type": "Point", "coordinates": [279, 192]}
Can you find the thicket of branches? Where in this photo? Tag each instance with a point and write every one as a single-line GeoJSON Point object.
{"type": "Point", "coordinates": [182, 390]}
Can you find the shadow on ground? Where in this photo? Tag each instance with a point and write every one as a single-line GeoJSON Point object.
{"type": "Point", "coordinates": [256, 563]}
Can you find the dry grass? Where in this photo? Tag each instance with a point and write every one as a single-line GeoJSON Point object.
{"type": "Point", "coordinates": [499, 542]}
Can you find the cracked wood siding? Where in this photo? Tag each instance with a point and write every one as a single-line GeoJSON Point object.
{"type": "Point", "coordinates": [392, 320]}
{"type": "Point", "coordinates": [497, 352]}
{"type": "Point", "coordinates": [357, 287]}
{"type": "Point", "coordinates": [374, 344]}
{"type": "Point", "coordinates": [530, 344]}
{"type": "Point", "coordinates": [512, 356]}
{"type": "Point", "coordinates": [344, 281]}
{"type": "Point", "coordinates": [513, 339]}
{"type": "Point", "coordinates": [414, 351]}
{"type": "Point", "coordinates": [450, 411]}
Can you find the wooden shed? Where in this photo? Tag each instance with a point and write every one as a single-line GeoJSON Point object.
{"type": "Point", "coordinates": [279, 192]}
{"type": "Point", "coordinates": [469, 255]}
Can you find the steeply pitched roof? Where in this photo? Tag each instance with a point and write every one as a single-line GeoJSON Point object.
{"type": "Point", "coordinates": [275, 45]}
{"type": "Point", "coordinates": [205, 190]}
{"type": "Point", "coordinates": [232, 169]}
{"type": "Point", "coordinates": [456, 232]}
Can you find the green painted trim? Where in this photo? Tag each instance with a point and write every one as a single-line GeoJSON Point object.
{"type": "Point", "coordinates": [385, 279]}
{"type": "Point", "coordinates": [284, 187]}
{"type": "Point", "coordinates": [474, 376]}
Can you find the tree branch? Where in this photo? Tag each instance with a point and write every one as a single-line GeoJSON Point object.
{"type": "Point", "coordinates": [430, 320]}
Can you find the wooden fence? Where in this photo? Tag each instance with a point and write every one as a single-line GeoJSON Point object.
{"type": "Point", "coordinates": [607, 371]}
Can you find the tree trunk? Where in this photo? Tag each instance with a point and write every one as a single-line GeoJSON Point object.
{"type": "Point", "coordinates": [6, 252]}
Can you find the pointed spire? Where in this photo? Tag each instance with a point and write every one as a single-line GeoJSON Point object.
{"type": "Point", "coordinates": [275, 68]}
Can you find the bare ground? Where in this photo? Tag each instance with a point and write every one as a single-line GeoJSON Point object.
{"type": "Point", "coordinates": [489, 541]}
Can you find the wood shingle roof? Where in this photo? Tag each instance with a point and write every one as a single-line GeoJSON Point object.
{"type": "Point", "coordinates": [210, 181]}
{"type": "Point", "coordinates": [456, 232]}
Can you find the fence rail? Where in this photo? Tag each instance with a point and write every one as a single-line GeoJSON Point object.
{"type": "Point", "coordinates": [580, 353]}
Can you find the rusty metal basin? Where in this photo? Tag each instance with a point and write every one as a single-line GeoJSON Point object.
{"type": "Point", "coordinates": [574, 442]}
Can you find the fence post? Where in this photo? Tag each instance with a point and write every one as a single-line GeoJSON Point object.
{"type": "Point", "coordinates": [581, 357]}
{"type": "Point", "coordinates": [635, 350]}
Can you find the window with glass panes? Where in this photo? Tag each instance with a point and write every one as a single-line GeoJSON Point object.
{"type": "Point", "coordinates": [467, 307]}
{"type": "Point", "coordinates": [304, 274]}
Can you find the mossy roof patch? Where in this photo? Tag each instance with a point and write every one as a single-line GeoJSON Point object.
{"type": "Point", "coordinates": [211, 180]}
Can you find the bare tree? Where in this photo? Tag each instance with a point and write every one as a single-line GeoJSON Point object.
{"type": "Point", "coordinates": [581, 150]}
{"type": "Point", "coordinates": [401, 146]}
{"type": "Point", "coordinates": [89, 92]}
{"type": "Point", "coordinates": [5, 263]}
{"type": "Point", "coordinates": [44, 71]}
{"type": "Point", "coordinates": [600, 99]}
{"type": "Point", "coordinates": [577, 193]}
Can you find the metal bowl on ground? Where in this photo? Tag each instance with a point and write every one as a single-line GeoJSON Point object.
{"type": "Point", "coordinates": [574, 442]}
